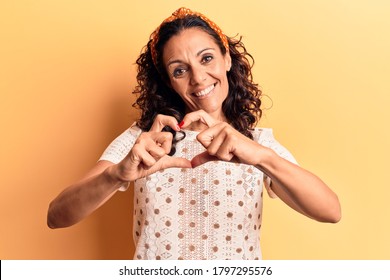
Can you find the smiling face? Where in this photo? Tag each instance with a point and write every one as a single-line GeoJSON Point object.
{"type": "Point", "coordinates": [197, 71]}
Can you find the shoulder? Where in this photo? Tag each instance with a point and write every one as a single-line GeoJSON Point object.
{"type": "Point", "coordinates": [266, 138]}
{"type": "Point", "coordinates": [132, 132]}
{"type": "Point", "coordinates": [128, 136]}
{"type": "Point", "coordinates": [263, 134]}
{"type": "Point", "coordinates": [121, 145]}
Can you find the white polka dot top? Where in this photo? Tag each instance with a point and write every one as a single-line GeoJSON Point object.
{"type": "Point", "coordinates": [210, 212]}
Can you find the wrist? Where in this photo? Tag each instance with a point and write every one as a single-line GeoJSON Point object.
{"type": "Point", "coordinates": [112, 175]}
{"type": "Point", "coordinates": [266, 159]}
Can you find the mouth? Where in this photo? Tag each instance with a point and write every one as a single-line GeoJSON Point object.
{"type": "Point", "coordinates": [203, 93]}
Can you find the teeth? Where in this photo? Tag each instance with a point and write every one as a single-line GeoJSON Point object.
{"type": "Point", "coordinates": [205, 91]}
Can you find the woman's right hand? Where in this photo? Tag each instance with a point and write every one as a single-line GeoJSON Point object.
{"type": "Point", "coordinates": [150, 152]}
{"type": "Point", "coordinates": [148, 155]}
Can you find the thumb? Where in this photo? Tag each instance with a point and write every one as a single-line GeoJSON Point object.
{"type": "Point", "coordinates": [177, 162]}
{"type": "Point", "coordinates": [202, 158]}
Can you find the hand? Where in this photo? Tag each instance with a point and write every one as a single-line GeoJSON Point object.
{"type": "Point", "coordinates": [222, 141]}
{"type": "Point", "coordinates": [150, 152]}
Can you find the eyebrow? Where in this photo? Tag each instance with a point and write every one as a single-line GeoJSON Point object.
{"type": "Point", "coordinates": [197, 54]}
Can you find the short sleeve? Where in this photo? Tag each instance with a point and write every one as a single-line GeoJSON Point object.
{"type": "Point", "coordinates": [120, 147]}
{"type": "Point", "coordinates": [265, 137]}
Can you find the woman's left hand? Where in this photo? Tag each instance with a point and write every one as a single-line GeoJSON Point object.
{"type": "Point", "coordinates": [297, 187]}
{"type": "Point", "coordinates": [222, 141]}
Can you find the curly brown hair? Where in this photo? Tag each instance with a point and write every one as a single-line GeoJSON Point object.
{"type": "Point", "coordinates": [242, 105]}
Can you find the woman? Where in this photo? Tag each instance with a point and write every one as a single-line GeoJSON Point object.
{"type": "Point", "coordinates": [197, 160]}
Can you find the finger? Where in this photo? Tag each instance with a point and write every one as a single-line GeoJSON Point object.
{"type": "Point", "coordinates": [224, 150]}
{"type": "Point", "coordinates": [221, 148]}
{"type": "Point", "coordinates": [163, 120]}
{"type": "Point", "coordinates": [198, 116]}
{"type": "Point", "coordinates": [164, 139]}
{"type": "Point", "coordinates": [141, 156]}
{"type": "Point", "coordinates": [205, 139]}
{"type": "Point", "coordinates": [213, 137]}
{"type": "Point", "coordinates": [156, 151]}
{"type": "Point", "coordinates": [202, 158]}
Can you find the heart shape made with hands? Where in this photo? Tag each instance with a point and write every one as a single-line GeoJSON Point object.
{"type": "Point", "coordinates": [212, 136]}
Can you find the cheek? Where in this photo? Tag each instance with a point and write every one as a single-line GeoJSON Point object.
{"type": "Point", "coordinates": [220, 71]}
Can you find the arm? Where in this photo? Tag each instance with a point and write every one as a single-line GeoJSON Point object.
{"type": "Point", "coordinates": [148, 155]}
{"type": "Point", "coordinates": [84, 197]}
{"type": "Point", "coordinates": [297, 187]}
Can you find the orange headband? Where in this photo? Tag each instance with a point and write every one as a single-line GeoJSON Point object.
{"type": "Point", "coordinates": [179, 14]}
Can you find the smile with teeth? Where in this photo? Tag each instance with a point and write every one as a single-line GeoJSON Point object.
{"type": "Point", "coordinates": [205, 91]}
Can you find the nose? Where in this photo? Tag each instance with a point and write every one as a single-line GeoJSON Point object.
{"type": "Point", "coordinates": [198, 75]}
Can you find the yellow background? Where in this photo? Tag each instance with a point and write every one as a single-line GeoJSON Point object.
{"type": "Point", "coordinates": [66, 76]}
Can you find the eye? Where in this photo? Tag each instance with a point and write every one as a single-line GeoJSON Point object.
{"type": "Point", "coordinates": [207, 58]}
{"type": "Point", "coordinates": [178, 72]}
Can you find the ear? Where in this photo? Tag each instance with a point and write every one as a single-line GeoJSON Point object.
{"type": "Point", "coordinates": [228, 62]}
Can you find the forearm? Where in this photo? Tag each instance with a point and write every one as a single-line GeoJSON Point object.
{"type": "Point", "coordinates": [301, 189]}
{"type": "Point", "coordinates": [82, 198]}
